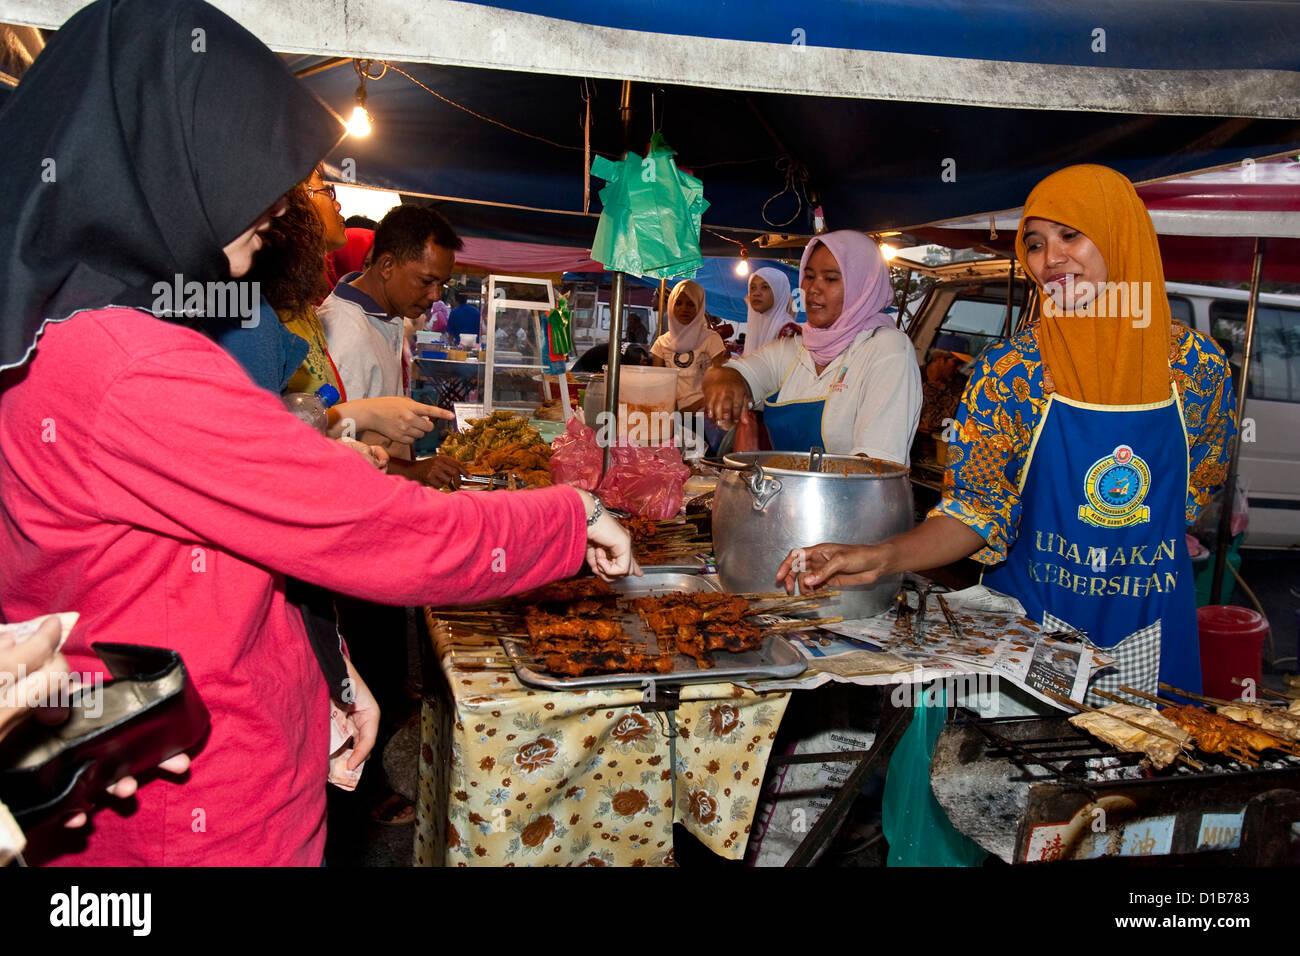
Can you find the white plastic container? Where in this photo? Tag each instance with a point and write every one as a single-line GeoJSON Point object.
{"type": "Point", "coordinates": [647, 396]}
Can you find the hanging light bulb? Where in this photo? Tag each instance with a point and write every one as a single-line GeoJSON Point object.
{"type": "Point", "coordinates": [359, 124]}
{"type": "Point", "coordinates": [742, 267]}
{"type": "Point", "coordinates": [888, 251]}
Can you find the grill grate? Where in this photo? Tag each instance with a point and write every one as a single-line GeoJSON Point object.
{"type": "Point", "coordinates": [1051, 750]}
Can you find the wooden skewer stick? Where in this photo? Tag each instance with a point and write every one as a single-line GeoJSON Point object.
{"type": "Point", "coordinates": [783, 599]}
{"type": "Point", "coordinates": [808, 625]}
{"type": "Point", "coordinates": [1070, 702]}
{"type": "Point", "coordinates": [1216, 701]}
{"type": "Point", "coordinates": [1125, 689]}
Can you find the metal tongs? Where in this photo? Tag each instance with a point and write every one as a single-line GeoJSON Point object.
{"type": "Point", "coordinates": [923, 588]}
{"type": "Point", "coordinates": [500, 479]}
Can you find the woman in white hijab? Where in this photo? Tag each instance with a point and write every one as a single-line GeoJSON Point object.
{"type": "Point", "coordinates": [689, 346]}
{"type": "Point", "coordinates": [769, 307]}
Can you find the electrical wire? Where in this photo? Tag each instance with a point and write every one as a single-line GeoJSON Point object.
{"type": "Point", "coordinates": [796, 181]}
{"type": "Point", "coordinates": [486, 119]}
{"type": "Point", "coordinates": [724, 238]}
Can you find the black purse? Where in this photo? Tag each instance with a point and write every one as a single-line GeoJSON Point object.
{"type": "Point", "coordinates": [148, 712]}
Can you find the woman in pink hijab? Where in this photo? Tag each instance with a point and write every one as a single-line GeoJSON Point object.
{"type": "Point", "coordinates": [851, 383]}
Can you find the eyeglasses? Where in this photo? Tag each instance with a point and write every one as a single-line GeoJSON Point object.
{"type": "Point", "coordinates": [328, 190]}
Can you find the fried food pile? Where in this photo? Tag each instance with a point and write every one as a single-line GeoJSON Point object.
{"type": "Point", "coordinates": [1114, 725]}
{"type": "Point", "coordinates": [575, 628]}
{"type": "Point", "coordinates": [698, 623]}
{"type": "Point", "coordinates": [578, 646]}
{"type": "Point", "coordinates": [502, 443]}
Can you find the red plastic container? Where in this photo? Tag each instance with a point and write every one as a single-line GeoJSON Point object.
{"type": "Point", "coordinates": [1232, 645]}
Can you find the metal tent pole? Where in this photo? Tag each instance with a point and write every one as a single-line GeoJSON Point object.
{"type": "Point", "coordinates": [616, 306]}
{"type": "Point", "coordinates": [1230, 483]}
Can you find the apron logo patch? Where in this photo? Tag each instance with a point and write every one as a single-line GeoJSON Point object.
{"type": "Point", "coordinates": [1116, 487]}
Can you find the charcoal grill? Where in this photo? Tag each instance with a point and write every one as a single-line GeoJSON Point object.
{"type": "Point", "coordinates": [1034, 789]}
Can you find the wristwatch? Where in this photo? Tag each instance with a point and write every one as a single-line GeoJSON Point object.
{"type": "Point", "coordinates": [595, 512]}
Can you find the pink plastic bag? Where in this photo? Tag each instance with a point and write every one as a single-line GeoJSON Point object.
{"type": "Point", "coordinates": [645, 481]}
{"type": "Point", "coordinates": [575, 457]}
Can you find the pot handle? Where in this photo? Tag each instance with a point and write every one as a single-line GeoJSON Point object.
{"type": "Point", "coordinates": [763, 487]}
{"type": "Point", "coordinates": [815, 458]}
{"type": "Point", "coordinates": [720, 463]}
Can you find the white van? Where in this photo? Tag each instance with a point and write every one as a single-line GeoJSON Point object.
{"type": "Point", "coordinates": [1270, 428]}
{"type": "Point", "coordinates": [970, 302]}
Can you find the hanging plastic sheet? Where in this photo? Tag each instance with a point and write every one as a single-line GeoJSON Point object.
{"type": "Point", "coordinates": [650, 224]}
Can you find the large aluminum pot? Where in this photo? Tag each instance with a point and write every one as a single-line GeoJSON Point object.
{"type": "Point", "coordinates": [768, 502]}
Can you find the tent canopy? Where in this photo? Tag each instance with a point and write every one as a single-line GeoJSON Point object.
{"type": "Point", "coordinates": [1229, 58]}
{"type": "Point", "coordinates": [885, 114]}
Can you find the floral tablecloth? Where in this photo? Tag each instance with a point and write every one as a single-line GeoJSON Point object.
{"type": "Point", "coordinates": [513, 776]}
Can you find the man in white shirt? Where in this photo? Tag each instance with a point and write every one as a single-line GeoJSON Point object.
{"type": "Point", "coordinates": [413, 256]}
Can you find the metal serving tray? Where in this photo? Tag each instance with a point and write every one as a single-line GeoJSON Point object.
{"type": "Point", "coordinates": [777, 658]}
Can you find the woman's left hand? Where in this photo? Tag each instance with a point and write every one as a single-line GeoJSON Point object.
{"type": "Point", "coordinates": [372, 453]}
{"type": "Point", "coordinates": [363, 714]}
{"type": "Point", "coordinates": [609, 546]}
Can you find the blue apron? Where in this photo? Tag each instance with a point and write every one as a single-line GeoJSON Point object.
{"type": "Point", "coordinates": [1101, 543]}
{"type": "Point", "coordinates": [794, 425]}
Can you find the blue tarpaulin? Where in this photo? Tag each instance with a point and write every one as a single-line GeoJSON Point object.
{"type": "Point", "coordinates": [888, 114]}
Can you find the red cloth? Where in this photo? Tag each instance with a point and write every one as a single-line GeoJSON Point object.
{"type": "Point", "coordinates": [166, 506]}
{"type": "Point", "coordinates": [352, 257]}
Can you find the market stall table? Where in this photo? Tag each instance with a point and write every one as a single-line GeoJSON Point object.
{"type": "Point", "coordinates": [510, 775]}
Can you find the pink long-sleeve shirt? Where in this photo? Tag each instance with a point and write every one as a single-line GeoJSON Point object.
{"type": "Point", "coordinates": [147, 483]}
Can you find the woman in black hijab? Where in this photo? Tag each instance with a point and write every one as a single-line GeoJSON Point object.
{"type": "Point", "coordinates": [147, 483]}
{"type": "Point", "coordinates": [145, 138]}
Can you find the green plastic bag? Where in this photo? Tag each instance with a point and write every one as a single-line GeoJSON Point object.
{"type": "Point", "coordinates": [650, 223]}
{"type": "Point", "coordinates": [916, 827]}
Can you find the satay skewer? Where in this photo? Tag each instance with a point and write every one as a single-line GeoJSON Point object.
{"type": "Point", "coordinates": [1216, 701]}
{"type": "Point", "coordinates": [784, 627]}
{"type": "Point", "coordinates": [789, 599]}
{"type": "Point", "coordinates": [1235, 751]}
{"type": "Point", "coordinates": [782, 596]}
{"type": "Point", "coordinates": [1071, 702]}
{"type": "Point", "coordinates": [1280, 743]}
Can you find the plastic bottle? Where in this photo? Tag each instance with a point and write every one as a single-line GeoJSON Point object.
{"type": "Point", "coordinates": [308, 408]}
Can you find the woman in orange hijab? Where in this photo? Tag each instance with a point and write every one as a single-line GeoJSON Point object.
{"type": "Point", "coordinates": [1084, 445]}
